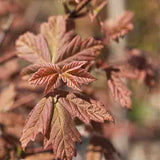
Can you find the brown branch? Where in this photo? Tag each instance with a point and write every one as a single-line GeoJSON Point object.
{"type": "Point", "coordinates": [66, 9]}
{"type": "Point", "coordinates": [7, 57]}
{"type": "Point", "coordinates": [79, 7]}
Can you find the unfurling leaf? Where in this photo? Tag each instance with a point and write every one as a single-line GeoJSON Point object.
{"type": "Point", "coordinates": [63, 134]}
{"type": "Point", "coordinates": [47, 75]}
{"type": "Point", "coordinates": [72, 74]}
{"type": "Point", "coordinates": [119, 90]}
{"type": "Point", "coordinates": [38, 121]}
{"type": "Point", "coordinates": [85, 108]}
{"type": "Point", "coordinates": [119, 28]}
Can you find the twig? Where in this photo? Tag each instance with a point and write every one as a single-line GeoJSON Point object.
{"type": "Point", "coordinates": [98, 9]}
{"type": "Point", "coordinates": [66, 9]}
{"type": "Point", "coordinates": [79, 7]}
{"type": "Point", "coordinates": [7, 57]}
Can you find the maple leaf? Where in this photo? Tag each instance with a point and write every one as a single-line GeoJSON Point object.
{"type": "Point", "coordinates": [72, 74]}
{"type": "Point", "coordinates": [55, 44]}
{"type": "Point", "coordinates": [47, 75]}
{"type": "Point", "coordinates": [85, 108]}
{"type": "Point", "coordinates": [38, 121]}
{"type": "Point", "coordinates": [79, 50]}
{"type": "Point", "coordinates": [118, 89]}
{"type": "Point", "coordinates": [58, 33]}
{"type": "Point", "coordinates": [63, 134]}
{"type": "Point", "coordinates": [33, 48]}
{"type": "Point", "coordinates": [120, 27]}
{"type": "Point", "coordinates": [44, 47]}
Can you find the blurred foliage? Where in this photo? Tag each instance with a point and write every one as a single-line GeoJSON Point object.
{"type": "Point", "coordinates": [146, 34]}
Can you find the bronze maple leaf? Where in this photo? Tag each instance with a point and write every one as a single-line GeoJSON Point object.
{"type": "Point", "coordinates": [57, 55]}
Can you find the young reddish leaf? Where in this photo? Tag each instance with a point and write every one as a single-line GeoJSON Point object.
{"type": "Point", "coordinates": [81, 50]}
{"type": "Point", "coordinates": [73, 66]}
{"type": "Point", "coordinates": [119, 90]}
{"type": "Point", "coordinates": [50, 75]}
{"type": "Point", "coordinates": [119, 28]}
{"type": "Point", "coordinates": [38, 121]}
{"type": "Point", "coordinates": [57, 33]}
{"type": "Point", "coordinates": [47, 75]}
{"type": "Point", "coordinates": [85, 108]}
{"type": "Point", "coordinates": [63, 134]}
{"type": "Point", "coordinates": [74, 75]}
{"type": "Point", "coordinates": [56, 43]}
{"type": "Point", "coordinates": [33, 48]}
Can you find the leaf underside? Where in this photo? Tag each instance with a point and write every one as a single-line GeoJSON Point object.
{"type": "Point", "coordinates": [85, 108]}
{"type": "Point", "coordinates": [38, 121]}
{"type": "Point", "coordinates": [63, 134]}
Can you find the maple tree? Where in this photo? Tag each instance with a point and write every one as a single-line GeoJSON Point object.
{"type": "Point", "coordinates": [61, 65]}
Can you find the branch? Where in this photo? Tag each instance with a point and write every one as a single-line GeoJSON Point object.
{"type": "Point", "coordinates": [7, 57]}
{"type": "Point", "coordinates": [79, 7]}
